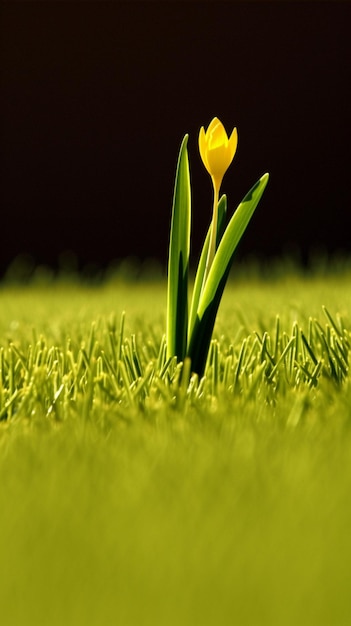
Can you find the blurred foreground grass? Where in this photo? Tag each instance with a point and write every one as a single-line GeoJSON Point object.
{"type": "Point", "coordinates": [229, 510]}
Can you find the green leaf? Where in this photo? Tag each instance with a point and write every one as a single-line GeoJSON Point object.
{"type": "Point", "coordinates": [199, 278]}
{"type": "Point", "coordinates": [200, 338]}
{"type": "Point", "coordinates": [178, 260]}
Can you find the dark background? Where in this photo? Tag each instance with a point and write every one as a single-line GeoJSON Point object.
{"type": "Point", "coordinates": [96, 98]}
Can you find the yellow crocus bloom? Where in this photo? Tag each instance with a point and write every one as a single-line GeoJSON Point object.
{"type": "Point", "coordinates": [217, 152]}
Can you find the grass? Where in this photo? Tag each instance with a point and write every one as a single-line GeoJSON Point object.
{"type": "Point", "coordinates": [127, 498]}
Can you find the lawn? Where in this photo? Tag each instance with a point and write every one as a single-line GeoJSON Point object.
{"type": "Point", "coordinates": [130, 498]}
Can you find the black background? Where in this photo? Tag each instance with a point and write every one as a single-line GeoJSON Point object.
{"type": "Point", "coordinates": [96, 98]}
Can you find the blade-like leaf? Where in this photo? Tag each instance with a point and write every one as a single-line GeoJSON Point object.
{"type": "Point", "coordinates": [178, 261]}
{"type": "Point", "coordinates": [200, 273]}
{"type": "Point", "coordinates": [200, 338]}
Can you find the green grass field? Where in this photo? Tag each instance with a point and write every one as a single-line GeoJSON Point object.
{"type": "Point", "coordinates": [127, 498]}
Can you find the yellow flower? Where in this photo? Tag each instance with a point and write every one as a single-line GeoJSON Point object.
{"type": "Point", "coordinates": [216, 150]}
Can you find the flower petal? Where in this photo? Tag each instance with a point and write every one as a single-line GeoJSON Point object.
{"type": "Point", "coordinates": [218, 136]}
{"type": "Point", "coordinates": [203, 147]}
{"type": "Point", "coordinates": [233, 142]}
{"type": "Point", "coordinates": [218, 161]}
{"type": "Point", "coordinates": [211, 126]}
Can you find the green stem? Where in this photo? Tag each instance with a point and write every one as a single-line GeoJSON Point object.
{"type": "Point", "coordinates": [213, 238]}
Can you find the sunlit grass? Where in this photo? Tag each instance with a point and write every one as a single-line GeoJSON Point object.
{"type": "Point", "coordinates": [126, 498]}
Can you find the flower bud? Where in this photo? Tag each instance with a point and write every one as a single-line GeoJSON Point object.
{"type": "Point", "coordinates": [216, 150]}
